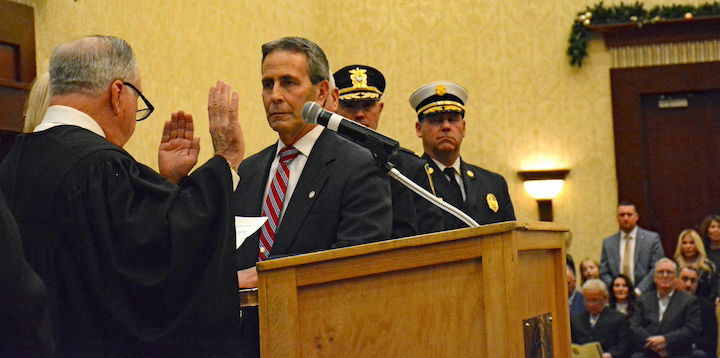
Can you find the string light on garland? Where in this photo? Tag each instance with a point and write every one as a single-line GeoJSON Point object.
{"type": "Point", "coordinates": [623, 14]}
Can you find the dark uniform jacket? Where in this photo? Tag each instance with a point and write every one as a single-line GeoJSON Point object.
{"type": "Point", "coordinates": [487, 199]}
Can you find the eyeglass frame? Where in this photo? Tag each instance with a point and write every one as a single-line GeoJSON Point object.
{"type": "Point", "coordinates": [149, 105]}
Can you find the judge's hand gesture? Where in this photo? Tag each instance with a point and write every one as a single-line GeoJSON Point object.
{"type": "Point", "coordinates": [225, 130]}
{"type": "Point", "coordinates": [179, 148]}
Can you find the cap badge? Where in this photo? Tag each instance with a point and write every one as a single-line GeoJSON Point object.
{"type": "Point", "coordinates": [492, 202]}
{"type": "Point", "coordinates": [358, 78]}
{"type": "Point", "coordinates": [440, 90]}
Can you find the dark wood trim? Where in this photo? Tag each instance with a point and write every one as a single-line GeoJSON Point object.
{"type": "Point", "coordinates": [14, 84]}
{"type": "Point", "coordinates": [660, 32]}
{"type": "Point", "coordinates": [627, 87]}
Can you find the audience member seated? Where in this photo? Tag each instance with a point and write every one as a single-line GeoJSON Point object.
{"type": "Point", "coordinates": [710, 232]}
{"type": "Point", "coordinates": [589, 269]}
{"type": "Point", "coordinates": [575, 298]}
{"type": "Point", "coordinates": [666, 320]}
{"type": "Point", "coordinates": [622, 295]}
{"type": "Point", "coordinates": [690, 252]}
{"type": "Point", "coordinates": [706, 343]}
{"type": "Point", "coordinates": [600, 323]}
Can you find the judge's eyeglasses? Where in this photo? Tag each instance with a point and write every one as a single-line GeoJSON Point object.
{"type": "Point", "coordinates": [142, 113]}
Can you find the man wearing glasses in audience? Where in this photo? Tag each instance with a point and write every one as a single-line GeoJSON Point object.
{"type": "Point", "coordinates": [665, 321]}
{"type": "Point", "coordinates": [135, 263]}
{"type": "Point", "coordinates": [482, 194]}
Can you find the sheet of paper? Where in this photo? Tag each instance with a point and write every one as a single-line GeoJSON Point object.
{"type": "Point", "coordinates": [246, 226]}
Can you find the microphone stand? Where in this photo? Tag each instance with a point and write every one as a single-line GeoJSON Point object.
{"type": "Point", "coordinates": [382, 160]}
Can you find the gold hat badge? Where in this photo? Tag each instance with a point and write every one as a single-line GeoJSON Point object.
{"type": "Point", "coordinates": [440, 90]}
{"type": "Point", "coordinates": [358, 78]}
{"type": "Point", "coordinates": [492, 202]}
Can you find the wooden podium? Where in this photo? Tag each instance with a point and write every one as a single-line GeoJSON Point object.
{"type": "Point", "coordinates": [480, 292]}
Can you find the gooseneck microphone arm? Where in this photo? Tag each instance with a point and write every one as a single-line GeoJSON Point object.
{"type": "Point", "coordinates": [381, 147]}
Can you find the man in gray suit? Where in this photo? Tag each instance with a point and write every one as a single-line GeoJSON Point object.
{"type": "Point", "coordinates": [641, 246]}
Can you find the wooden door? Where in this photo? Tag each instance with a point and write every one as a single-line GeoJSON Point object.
{"type": "Point", "coordinates": [17, 68]}
{"type": "Point", "coordinates": [667, 144]}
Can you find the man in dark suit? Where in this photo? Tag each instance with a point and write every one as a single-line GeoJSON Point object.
{"type": "Point", "coordinates": [360, 91]}
{"type": "Point", "coordinates": [599, 323]}
{"type": "Point", "coordinates": [641, 246]}
{"type": "Point", "coordinates": [318, 190]}
{"type": "Point", "coordinates": [576, 300]}
{"type": "Point", "coordinates": [665, 321]}
{"type": "Point", "coordinates": [480, 193]}
{"type": "Point", "coordinates": [705, 344]}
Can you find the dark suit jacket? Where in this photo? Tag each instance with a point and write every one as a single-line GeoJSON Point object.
{"type": "Point", "coordinates": [479, 184]}
{"type": "Point", "coordinates": [341, 199]}
{"type": "Point", "coordinates": [648, 250]}
{"type": "Point", "coordinates": [611, 330]}
{"type": "Point", "coordinates": [412, 214]}
{"type": "Point", "coordinates": [679, 326]}
{"type": "Point", "coordinates": [577, 305]}
{"type": "Point", "coordinates": [707, 341]}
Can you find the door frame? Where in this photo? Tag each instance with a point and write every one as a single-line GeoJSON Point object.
{"type": "Point", "coordinates": [628, 85]}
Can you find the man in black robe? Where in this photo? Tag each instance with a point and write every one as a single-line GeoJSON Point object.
{"type": "Point", "coordinates": [134, 264]}
{"type": "Point", "coordinates": [24, 320]}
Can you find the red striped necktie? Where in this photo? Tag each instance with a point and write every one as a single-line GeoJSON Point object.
{"type": "Point", "coordinates": [272, 208]}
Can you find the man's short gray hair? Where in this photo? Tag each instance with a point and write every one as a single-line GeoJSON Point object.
{"type": "Point", "coordinates": [665, 259]}
{"type": "Point", "coordinates": [90, 64]}
{"type": "Point", "coordinates": [318, 68]}
{"type": "Point", "coordinates": [594, 284]}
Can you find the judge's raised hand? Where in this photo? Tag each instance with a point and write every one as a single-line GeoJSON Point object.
{"type": "Point", "coordinates": [179, 148]}
{"type": "Point", "coordinates": [225, 130]}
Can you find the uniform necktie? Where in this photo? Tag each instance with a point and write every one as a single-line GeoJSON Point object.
{"type": "Point", "coordinates": [272, 207]}
{"type": "Point", "coordinates": [455, 195]}
{"type": "Point", "coordinates": [627, 257]}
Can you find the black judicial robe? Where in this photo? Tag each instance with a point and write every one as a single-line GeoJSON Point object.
{"type": "Point", "coordinates": [134, 265]}
{"type": "Point", "coordinates": [24, 320]}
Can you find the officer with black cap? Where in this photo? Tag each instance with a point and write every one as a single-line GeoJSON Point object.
{"type": "Point", "coordinates": [480, 193]}
{"type": "Point", "coordinates": [360, 90]}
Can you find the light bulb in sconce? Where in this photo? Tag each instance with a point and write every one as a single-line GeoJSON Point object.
{"type": "Point", "coordinates": [544, 189]}
{"type": "Point", "coordinates": [543, 186]}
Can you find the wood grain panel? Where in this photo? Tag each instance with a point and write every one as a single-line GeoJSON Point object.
{"type": "Point", "coordinates": [397, 313]}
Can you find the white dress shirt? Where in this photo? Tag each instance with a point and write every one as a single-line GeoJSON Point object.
{"type": "Point", "coordinates": [304, 145]}
{"type": "Point", "coordinates": [663, 303]}
{"type": "Point", "coordinates": [68, 116]}
{"type": "Point", "coordinates": [456, 169]}
{"type": "Point", "coordinates": [623, 242]}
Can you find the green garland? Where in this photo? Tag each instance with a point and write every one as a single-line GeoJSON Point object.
{"type": "Point", "coordinates": [599, 15]}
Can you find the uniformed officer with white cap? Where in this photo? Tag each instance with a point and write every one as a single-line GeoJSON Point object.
{"type": "Point", "coordinates": [482, 194]}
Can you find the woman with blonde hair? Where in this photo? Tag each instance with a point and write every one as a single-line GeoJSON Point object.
{"type": "Point", "coordinates": [37, 102]}
{"type": "Point", "coordinates": [589, 269]}
{"type": "Point", "coordinates": [690, 251]}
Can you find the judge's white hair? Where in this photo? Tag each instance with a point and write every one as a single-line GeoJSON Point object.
{"type": "Point", "coordinates": [90, 64]}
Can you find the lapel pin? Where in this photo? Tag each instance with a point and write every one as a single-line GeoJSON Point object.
{"type": "Point", "coordinates": [470, 173]}
{"type": "Point", "coordinates": [311, 194]}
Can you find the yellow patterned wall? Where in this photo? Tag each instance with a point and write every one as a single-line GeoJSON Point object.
{"type": "Point", "coordinates": [527, 109]}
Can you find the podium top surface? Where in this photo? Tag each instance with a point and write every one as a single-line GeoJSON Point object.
{"type": "Point", "coordinates": [411, 241]}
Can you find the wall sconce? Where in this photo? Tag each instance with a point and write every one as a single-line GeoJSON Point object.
{"type": "Point", "coordinates": [544, 185]}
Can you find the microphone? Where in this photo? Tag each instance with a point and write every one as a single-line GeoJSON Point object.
{"type": "Point", "coordinates": [356, 132]}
